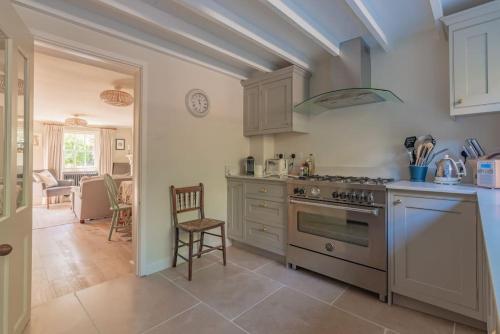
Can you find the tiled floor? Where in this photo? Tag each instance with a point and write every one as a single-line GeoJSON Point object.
{"type": "Point", "coordinates": [250, 295]}
{"type": "Point", "coordinates": [69, 256]}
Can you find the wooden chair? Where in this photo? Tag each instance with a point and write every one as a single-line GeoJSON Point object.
{"type": "Point", "coordinates": [192, 199]}
{"type": "Point", "coordinates": [120, 210]}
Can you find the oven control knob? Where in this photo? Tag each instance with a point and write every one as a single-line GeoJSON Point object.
{"type": "Point", "coordinates": [315, 191]}
{"type": "Point", "coordinates": [335, 194]}
{"type": "Point", "coordinates": [362, 197]}
{"type": "Point", "coordinates": [299, 191]}
{"type": "Point", "coordinates": [370, 198]}
{"type": "Point", "coordinates": [354, 196]}
{"type": "Point", "coordinates": [329, 247]}
{"type": "Point", "coordinates": [343, 195]}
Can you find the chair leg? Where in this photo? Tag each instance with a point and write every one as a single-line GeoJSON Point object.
{"type": "Point", "coordinates": [176, 248]}
{"type": "Point", "coordinates": [223, 237]}
{"type": "Point", "coordinates": [190, 256]}
{"type": "Point", "coordinates": [48, 201]}
{"type": "Point", "coordinates": [114, 219]}
{"type": "Point", "coordinates": [200, 247]}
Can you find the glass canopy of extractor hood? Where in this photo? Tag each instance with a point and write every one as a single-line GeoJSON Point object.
{"type": "Point", "coordinates": [343, 98]}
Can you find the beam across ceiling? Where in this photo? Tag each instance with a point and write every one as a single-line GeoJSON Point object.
{"type": "Point", "coordinates": [364, 15]}
{"type": "Point", "coordinates": [217, 13]}
{"type": "Point", "coordinates": [130, 35]}
{"type": "Point", "coordinates": [172, 24]}
{"type": "Point", "coordinates": [293, 17]}
{"type": "Point", "coordinates": [437, 9]}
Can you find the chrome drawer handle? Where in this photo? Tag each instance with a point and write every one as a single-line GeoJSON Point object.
{"type": "Point", "coordinates": [263, 190]}
{"type": "Point", "coordinates": [397, 202]}
{"type": "Point", "coordinates": [264, 229]}
{"type": "Point", "coordinates": [263, 205]}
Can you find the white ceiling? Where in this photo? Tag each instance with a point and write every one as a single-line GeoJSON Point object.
{"type": "Point", "coordinates": [239, 37]}
{"type": "Point", "coordinates": [65, 87]}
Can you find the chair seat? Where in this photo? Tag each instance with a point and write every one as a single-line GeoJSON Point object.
{"type": "Point", "coordinates": [200, 225]}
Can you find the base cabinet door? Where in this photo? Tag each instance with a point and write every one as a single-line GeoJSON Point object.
{"type": "Point", "coordinates": [435, 252]}
{"type": "Point", "coordinates": [235, 207]}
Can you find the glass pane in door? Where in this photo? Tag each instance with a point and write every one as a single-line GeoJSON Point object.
{"type": "Point", "coordinates": [21, 133]}
{"type": "Point", "coordinates": [3, 122]}
{"type": "Point", "coordinates": [336, 227]}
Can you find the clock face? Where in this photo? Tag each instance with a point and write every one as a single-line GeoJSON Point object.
{"type": "Point", "coordinates": [197, 102]}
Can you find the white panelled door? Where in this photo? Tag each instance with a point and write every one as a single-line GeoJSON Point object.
{"type": "Point", "coordinates": [16, 117]}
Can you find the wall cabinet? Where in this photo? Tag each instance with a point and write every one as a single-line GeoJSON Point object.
{"type": "Point", "coordinates": [436, 252]}
{"type": "Point", "coordinates": [474, 37]}
{"type": "Point", "coordinates": [257, 213]}
{"type": "Point", "coordinates": [268, 102]}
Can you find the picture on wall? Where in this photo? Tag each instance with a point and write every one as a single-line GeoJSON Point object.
{"type": "Point", "coordinates": [120, 144]}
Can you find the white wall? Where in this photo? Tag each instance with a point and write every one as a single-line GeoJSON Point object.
{"type": "Point", "coordinates": [180, 149]}
{"type": "Point", "coordinates": [121, 155]}
{"type": "Point", "coordinates": [371, 137]}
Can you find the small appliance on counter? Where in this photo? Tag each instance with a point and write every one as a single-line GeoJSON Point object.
{"type": "Point", "coordinates": [448, 171]}
{"type": "Point", "coordinates": [488, 171]}
{"type": "Point", "coordinates": [249, 164]}
{"type": "Point", "coordinates": [276, 167]}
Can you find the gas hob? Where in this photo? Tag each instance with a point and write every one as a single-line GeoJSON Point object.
{"type": "Point", "coordinates": [353, 190]}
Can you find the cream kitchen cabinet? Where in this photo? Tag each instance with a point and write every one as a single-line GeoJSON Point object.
{"type": "Point", "coordinates": [474, 53]}
{"type": "Point", "coordinates": [436, 251]}
{"type": "Point", "coordinates": [235, 209]}
{"type": "Point", "coordinates": [257, 212]}
{"type": "Point", "coordinates": [268, 102]}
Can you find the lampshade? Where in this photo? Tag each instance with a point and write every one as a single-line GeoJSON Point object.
{"type": "Point", "coordinates": [117, 98]}
{"type": "Point", "coordinates": [75, 121]}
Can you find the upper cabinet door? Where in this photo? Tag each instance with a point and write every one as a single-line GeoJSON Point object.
{"type": "Point", "coordinates": [251, 124]}
{"type": "Point", "coordinates": [276, 105]}
{"type": "Point", "coordinates": [475, 68]}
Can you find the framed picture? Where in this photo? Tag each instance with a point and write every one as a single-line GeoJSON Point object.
{"type": "Point", "coordinates": [119, 144]}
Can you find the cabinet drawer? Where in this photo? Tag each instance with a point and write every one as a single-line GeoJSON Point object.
{"type": "Point", "coordinates": [265, 190]}
{"type": "Point", "coordinates": [266, 237]}
{"type": "Point", "coordinates": [269, 212]}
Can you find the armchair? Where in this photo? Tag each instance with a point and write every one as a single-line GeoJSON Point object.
{"type": "Point", "coordinates": [62, 188]}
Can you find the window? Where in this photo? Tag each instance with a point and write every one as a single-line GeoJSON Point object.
{"type": "Point", "coordinates": [79, 151]}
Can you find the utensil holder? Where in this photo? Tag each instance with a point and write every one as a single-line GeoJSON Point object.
{"type": "Point", "coordinates": [418, 173]}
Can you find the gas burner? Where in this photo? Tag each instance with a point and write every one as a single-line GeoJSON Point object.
{"type": "Point", "coordinates": [349, 179]}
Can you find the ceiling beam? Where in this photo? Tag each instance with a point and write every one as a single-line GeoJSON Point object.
{"type": "Point", "coordinates": [135, 37]}
{"type": "Point", "coordinates": [172, 24]}
{"type": "Point", "coordinates": [289, 14]}
{"type": "Point", "coordinates": [437, 9]}
{"type": "Point", "coordinates": [364, 15]}
{"type": "Point", "coordinates": [220, 15]}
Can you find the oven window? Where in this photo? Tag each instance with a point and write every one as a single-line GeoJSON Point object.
{"type": "Point", "coordinates": [334, 227]}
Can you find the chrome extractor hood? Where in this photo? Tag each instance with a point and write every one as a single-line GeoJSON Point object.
{"type": "Point", "coordinates": [344, 81]}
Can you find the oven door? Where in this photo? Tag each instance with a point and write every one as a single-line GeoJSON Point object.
{"type": "Point", "coordinates": [352, 233]}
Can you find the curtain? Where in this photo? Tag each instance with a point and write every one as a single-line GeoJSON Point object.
{"type": "Point", "coordinates": [52, 151]}
{"type": "Point", "coordinates": [106, 151]}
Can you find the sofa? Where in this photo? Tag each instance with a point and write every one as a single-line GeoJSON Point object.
{"type": "Point", "coordinates": [90, 200]}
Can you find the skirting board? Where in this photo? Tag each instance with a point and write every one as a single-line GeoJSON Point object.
{"type": "Point", "coordinates": [163, 264]}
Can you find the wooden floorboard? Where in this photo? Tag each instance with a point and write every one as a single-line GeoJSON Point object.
{"type": "Point", "coordinates": [73, 256]}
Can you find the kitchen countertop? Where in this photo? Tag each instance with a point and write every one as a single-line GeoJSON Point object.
{"type": "Point", "coordinates": [265, 178]}
{"type": "Point", "coordinates": [489, 210]}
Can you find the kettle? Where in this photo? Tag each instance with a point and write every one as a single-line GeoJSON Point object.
{"type": "Point", "coordinates": [448, 171]}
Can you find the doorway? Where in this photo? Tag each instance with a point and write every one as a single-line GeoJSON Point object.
{"type": "Point", "coordinates": [93, 117]}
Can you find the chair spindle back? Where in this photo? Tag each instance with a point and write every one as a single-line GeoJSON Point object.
{"type": "Point", "coordinates": [187, 199]}
{"type": "Point", "coordinates": [112, 191]}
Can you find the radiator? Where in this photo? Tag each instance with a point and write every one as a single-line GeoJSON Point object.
{"type": "Point", "coordinates": [77, 176]}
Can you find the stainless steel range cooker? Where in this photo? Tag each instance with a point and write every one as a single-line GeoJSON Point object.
{"type": "Point", "coordinates": [337, 226]}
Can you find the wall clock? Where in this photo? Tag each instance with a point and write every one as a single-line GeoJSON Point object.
{"type": "Point", "coordinates": [197, 102]}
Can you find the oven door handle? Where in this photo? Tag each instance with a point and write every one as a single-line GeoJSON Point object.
{"type": "Point", "coordinates": [339, 207]}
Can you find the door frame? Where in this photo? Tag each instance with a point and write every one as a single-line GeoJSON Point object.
{"type": "Point", "coordinates": [140, 152]}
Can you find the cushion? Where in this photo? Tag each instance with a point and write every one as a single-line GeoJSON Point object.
{"type": "Point", "coordinates": [37, 177]}
{"type": "Point", "coordinates": [48, 179]}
